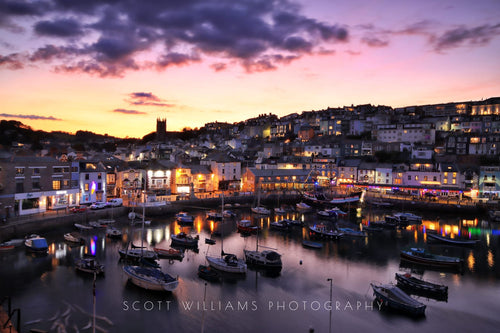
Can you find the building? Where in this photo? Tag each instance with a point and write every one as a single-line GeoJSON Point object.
{"type": "Point", "coordinates": [36, 184]}
{"type": "Point", "coordinates": [92, 182]}
{"type": "Point", "coordinates": [276, 179]}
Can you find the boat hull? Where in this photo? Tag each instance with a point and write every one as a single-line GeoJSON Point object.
{"type": "Point", "coordinates": [150, 279]}
{"type": "Point", "coordinates": [396, 299]}
{"type": "Point", "coordinates": [220, 264]}
{"type": "Point", "coordinates": [259, 260]}
{"type": "Point", "coordinates": [433, 261]}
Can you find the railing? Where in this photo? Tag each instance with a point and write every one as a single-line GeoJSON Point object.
{"type": "Point", "coordinates": [11, 312]}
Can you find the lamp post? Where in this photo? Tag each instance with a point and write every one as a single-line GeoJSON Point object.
{"type": "Point", "coordinates": [331, 305]}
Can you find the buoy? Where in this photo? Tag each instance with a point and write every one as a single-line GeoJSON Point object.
{"type": "Point", "coordinates": [301, 262]}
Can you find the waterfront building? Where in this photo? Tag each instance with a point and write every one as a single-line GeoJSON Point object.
{"type": "Point", "coordinates": [226, 170]}
{"type": "Point", "coordinates": [276, 179]}
{"type": "Point", "coordinates": [92, 182]}
{"type": "Point", "coordinates": [348, 171]}
{"type": "Point", "coordinates": [489, 181]}
{"type": "Point", "coordinates": [131, 181]}
{"type": "Point", "coordinates": [35, 184]}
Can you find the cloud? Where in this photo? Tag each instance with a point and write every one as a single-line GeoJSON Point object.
{"type": "Point", "coordinates": [476, 36]}
{"type": "Point", "coordinates": [374, 42]}
{"type": "Point", "coordinates": [28, 116]}
{"type": "Point", "coordinates": [125, 111]}
{"type": "Point", "coordinates": [59, 28]}
{"type": "Point", "coordinates": [110, 38]}
{"type": "Point", "coordinates": [218, 67]}
{"type": "Point", "coordinates": [146, 98]}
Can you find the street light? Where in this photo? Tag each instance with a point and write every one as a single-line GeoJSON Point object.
{"type": "Point", "coordinates": [331, 305]}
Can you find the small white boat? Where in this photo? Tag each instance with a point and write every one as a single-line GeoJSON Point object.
{"type": "Point", "coordinates": [303, 207]}
{"type": "Point", "coordinates": [106, 221]}
{"type": "Point", "coordinates": [83, 226]}
{"type": "Point", "coordinates": [113, 233]}
{"type": "Point", "coordinates": [214, 216]}
{"type": "Point", "coordinates": [279, 211]}
{"type": "Point", "coordinates": [150, 278]}
{"type": "Point", "coordinates": [261, 210]}
{"type": "Point", "coordinates": [74, 237]}
{"type": "Point", "coordinates": [228, 263]}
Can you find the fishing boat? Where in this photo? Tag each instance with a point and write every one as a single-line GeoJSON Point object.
{"type": "Point", "coordinates": [320, 199]}
{"type": "Point", "coordinates": [245, 226]}
{"type": "Point", "coordinates": [227, 262]}
{"type": "Point", "coordinates": [151, 278]}
{"type": "Point", "coordinates": [184, 217]}
{"type": "Point", "coordinates": [113, 233]}
{"type": "Point", "coordinates": [169, 253]}
{"type": "Point", "coordinates": [37, 244]}
{"type": "Point", "coordinates": [452, 241]}
{"type": "Point", "coordinates": [311, 244]}
{"type": "Point", "coordinates": [97, 225]}
{"type": "Point", "coordinates": [349, 232]}
{"type": "Point", "coordinates": [422, 257]}
{"type": "Point", "coordinates": [89, 265]}
{"type": "Point", "coordinates": [393, 297]}
{"type": "Point", "coordinates": [228, 214]}
{"type": "Point", "coordinates": [74, 237]}
{"type": "Point", "coordinates": [421, 287]}
{"type": "Point", "coordinates": [183, 239]}
{"type": "Point", "coordinates": [16, 242]}
{"type": "Point", "coordinates": [321, 231]}
{"type": "Point", "coordinates": [207, 273]}
{"type": "Point", "coordinates": [279, 211]}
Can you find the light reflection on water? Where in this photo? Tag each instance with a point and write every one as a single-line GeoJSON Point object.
{"type": "Point", "coordinates": [41, 289]}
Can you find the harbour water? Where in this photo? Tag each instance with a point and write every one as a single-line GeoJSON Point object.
{"type": "Point", "coordinates": [51, 294]}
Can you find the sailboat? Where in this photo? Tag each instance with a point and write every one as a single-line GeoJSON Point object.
{"type": "Point", "coordinates": [279, 210]}
{"type": "Point", "coordinates": [260, 209]}
{"type": "Point", "coordinates": [227, 262]}
{"type": "Point", "coordinates": [135, 253]}
{"type": "Point", "coordinates": [267, 259]}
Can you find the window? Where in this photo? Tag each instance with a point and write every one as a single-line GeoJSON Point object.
{"type": "Point", "coordinates": [87, 176]}
{"type": "Point", "coordinates": [19, 171]}
{"type": "Point", "coordinates": [409, 177]}
{"type": "Point", "coordinates": [434, 178]}
{"type": "Point", "coordinates": [416, 177]}
{"type": "Point", "coordinates": [19, 185]}
{"type": "Point", "coordinates": [99, 186]}
{"type": "Point", "coordinates": [35, 184]}
{"type": "Point", "coordinates": [425, 178]}
{"type": "Point", "coordinates": [86, 187]}
{"type": "Point", "coordinates": [99, 176]}
{"type": "Point", "coordinates": [445, 181]}
{"type": "Point", "coordinates": [66, 183]}
{"type": "Point", "coordinates": [36, 171]}
{"type": "Point", "coordinates": [56, 184]}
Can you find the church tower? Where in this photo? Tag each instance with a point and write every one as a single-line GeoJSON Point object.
{"type": "Point", "coordinates": [161, 129]}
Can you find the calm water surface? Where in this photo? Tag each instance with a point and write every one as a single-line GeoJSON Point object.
{"type": "Point", "coordinates": [50, 292]}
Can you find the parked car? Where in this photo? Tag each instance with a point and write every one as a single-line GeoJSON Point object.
{"type": "Point", "coordinates": [79, 209]}
{"type": "Point", "coordinates": [98, 205]}
{"type": "Point", "coordinates": [116, 202]}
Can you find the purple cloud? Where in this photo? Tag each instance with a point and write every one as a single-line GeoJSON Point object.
{"type": "Point", "coordinates": [28, 116]}
{"type": "Point", "coordinates": [146, 98]}
{"type": "Point", "coordinates": [125, 111]}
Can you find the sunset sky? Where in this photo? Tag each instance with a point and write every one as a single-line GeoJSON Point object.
{"type": "Point", "coordinates": [114, 66]}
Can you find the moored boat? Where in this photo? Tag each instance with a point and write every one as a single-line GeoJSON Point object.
{"type": "Point", "coordinates": [311, 244]}
{"type": "Point", "coordinates": [207, 273]}
{"type": "Point", "coordinates": [303, 207]}
{"type": "Point", "coordinates": [453, 241]}
{"type": "Point", "coordinates": [214, 216]}
{"type": "Point", "coordinates": [169, 253]}
{"type": "Point", "coordinates": [74, 237]}
{"type": "Point", "coordinates": [394, 298]}
{"type": "Point", "coordinates": [5, 247]}
{"type": "Point", "coordinates": [349, 232]}
{"type": "Point", "coordinates": [183, 217]}
{"type": "Point", "coordinates": [184, 239]}
{"type": "Point", "coordinates": [113, 233]}
{"type": "Point", "coordinates": [89, 265]}
{"type": "Point", "coordinates": [260, 210]}
{"type": "Point", "coordinates": [37, 244]}
{"type": "Point", "coordinates": [403, 219]}
{"type": "Point", "coordinates": [321, 231]}
{"type": "Point", "coordinates": [246, 226]}
{"type": "Point", "coordinates": [267, 259]}
{"type": "Point", "coordinates": [282, 225]}
{"type": "Point", "coordinates": [421, 287]}
{"type": "Point", "coordinates": [228, 263]}
{"type": "Point", "coordinates": [422, 257]}
{"type": "Point", "coordinates": [150, 278]}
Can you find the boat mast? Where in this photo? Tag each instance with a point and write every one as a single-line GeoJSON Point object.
{"type": "Point", "coordinates": [222, 228]}
{"type": "Point", "coordinates": [142, 228]}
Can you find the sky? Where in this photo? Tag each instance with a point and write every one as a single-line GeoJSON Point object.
{"type": "Point", "coordinates": [115, 66]}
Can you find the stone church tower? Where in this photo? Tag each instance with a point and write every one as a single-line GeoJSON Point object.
{"type": "Point", "coordinates": [161, 129]}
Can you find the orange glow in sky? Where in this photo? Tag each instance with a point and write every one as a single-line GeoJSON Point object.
{"type": "Point", "coordinates": [84, 75]}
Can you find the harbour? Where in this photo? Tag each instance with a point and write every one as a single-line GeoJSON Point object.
{"type": "Point", "coordinates": [51, 293]}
